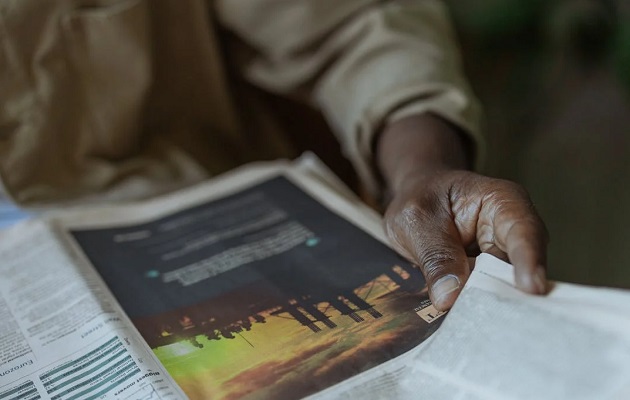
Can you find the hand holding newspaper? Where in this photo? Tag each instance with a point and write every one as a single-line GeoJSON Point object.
{"type": "Point", "coordinates": [274, 282]}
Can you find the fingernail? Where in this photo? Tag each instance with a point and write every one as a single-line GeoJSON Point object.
{"type": "Point", "coordinates": [443, 287]}
{"type": "Point", "coordinates": [540, 277]}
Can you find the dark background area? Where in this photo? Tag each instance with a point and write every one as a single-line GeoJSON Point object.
{"type": "Point", "coordinates": [554, 79]}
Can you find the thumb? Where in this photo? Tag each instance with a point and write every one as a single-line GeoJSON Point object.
{"type": "Point", "coordinates": [430, 239]}
{"type": "Point", "coordinates": [443, 262]}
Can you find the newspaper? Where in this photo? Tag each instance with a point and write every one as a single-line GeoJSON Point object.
{"type": "Point", "coordinates": [499, 343]}
{"type": "Point", "coordinates": [62, 335]}
{"type": "Point", "coordinates": [274, 281]}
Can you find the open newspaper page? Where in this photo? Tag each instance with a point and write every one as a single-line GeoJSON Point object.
{"type": "Point", "coordinates": [62, 335]}
{"type": "Point", "coordinates": [498, 343]}
{"type": "Point", "coordinates": [263, 283]}
{"type": "Point", "coordinates": [255, 286]}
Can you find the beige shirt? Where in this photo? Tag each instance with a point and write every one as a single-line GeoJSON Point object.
{"type": "Point", "coordinates": [121, 99]}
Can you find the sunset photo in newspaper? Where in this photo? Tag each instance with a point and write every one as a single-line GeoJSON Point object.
{"type": "Point", "coordinates": [264, 293]}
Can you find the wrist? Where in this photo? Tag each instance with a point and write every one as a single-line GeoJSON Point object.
{"type": "Point", "coordinates": [416, 148]}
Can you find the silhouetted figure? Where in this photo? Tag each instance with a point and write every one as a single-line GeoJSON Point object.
{"type": "Point", "coordinates": [316, 313]}
{"type": "Point", "coordinates": [361, 304]}
{"type": "Point", "coordinates": [259, 319]}
{"type": "Point", "coordinates": [344, 309]}
{"type": "Point", "coordinates": [212, 335]}
{"type": "Point", "coordinates": [292, 309]}
{"type": "Point", "coordinates": [246, 324]}
{"type": "Point", "coordinates": [226, 333]}
{"type": "Point", "coordinates": [186, 322]}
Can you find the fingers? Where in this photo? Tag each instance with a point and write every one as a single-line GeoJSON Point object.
{"type": "Point", "coordinates": [434, 228]}
{"type": "Point", "coordinates": [521, 234]}
{"type": "Point", "coordinates": [527, 252]}
{"type": "Point", "coordinates": [428, 237]}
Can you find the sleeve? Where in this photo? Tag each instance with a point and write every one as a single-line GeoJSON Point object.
{"type": "Point", "coordinates": [364, 63]}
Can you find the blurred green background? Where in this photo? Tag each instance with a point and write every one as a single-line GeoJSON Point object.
{"type": "Point", "coordinates": [554, 78]}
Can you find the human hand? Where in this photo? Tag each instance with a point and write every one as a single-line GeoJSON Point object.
{"type": "Point", "coordinates": [439, 213]}
{"type": "Point", "coordinates": [438, 219]}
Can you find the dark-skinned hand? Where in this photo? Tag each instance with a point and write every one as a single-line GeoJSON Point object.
{"type": "Point", "coordinates": [439, 213]}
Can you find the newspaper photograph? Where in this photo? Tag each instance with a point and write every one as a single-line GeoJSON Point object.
{"type": "Point", "coordinates": [262, 293]}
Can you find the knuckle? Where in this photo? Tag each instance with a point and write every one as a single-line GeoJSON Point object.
{"type": "Point", "coordinates": [512, 199]}
{"type": "Point", "coordinates": [505, 189]}
{"type": "Point", "coordinates": [419, 210]}
{"type": "Point", "coordinates": [412, 213]}
{"type": "Point", "coordinates": [406, 217]}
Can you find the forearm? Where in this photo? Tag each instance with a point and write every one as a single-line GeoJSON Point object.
{"type": "Point", "coordinates": [419, 145]}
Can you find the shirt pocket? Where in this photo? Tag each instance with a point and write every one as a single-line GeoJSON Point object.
{"type": "Point", "coordinates": [109, 49]}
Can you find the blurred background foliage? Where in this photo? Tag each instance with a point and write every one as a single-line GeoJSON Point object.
{"type": "Point", "coordinates": [554, 78]}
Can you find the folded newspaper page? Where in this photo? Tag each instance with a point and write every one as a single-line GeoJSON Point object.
{"type": "Point", "coordinates": [274, 282]}
{"type": "Point", "coordinates": [499, 343]}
